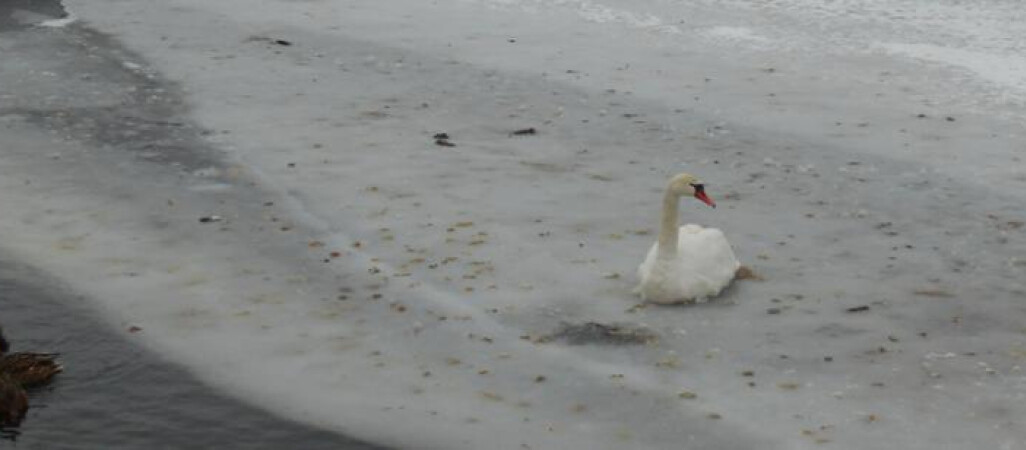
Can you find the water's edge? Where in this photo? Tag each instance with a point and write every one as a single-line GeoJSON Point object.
{"type": "Point", "coordinates": [113, 394]}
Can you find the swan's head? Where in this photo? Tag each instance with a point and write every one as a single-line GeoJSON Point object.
{"type": "Point", "coordinates": [686, 185]}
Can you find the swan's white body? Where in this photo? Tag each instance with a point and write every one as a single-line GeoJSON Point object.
{"type": "Point", "coordinates": [703, 266]}
{"type": "Point", "coordinates": [689, 264]}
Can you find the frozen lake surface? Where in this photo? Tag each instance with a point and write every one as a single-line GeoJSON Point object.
{"type": "Point", "coordinates": [352, 274]}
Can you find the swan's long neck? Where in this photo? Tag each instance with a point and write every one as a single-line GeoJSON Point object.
{"type": "Point", "coordinates": [668, 228]}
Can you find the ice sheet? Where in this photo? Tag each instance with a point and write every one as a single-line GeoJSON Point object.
{"type": "Point", "coordinates": [891, 244]}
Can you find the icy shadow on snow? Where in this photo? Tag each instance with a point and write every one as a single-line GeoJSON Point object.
{"type": "Point", "coordinates": [137, 112]}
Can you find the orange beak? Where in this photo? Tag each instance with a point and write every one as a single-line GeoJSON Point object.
{"type": "Point", "coordinates": [701, 195]}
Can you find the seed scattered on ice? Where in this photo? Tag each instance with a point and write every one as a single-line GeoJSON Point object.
{"type": "Point", "coordinates": [487, 395]}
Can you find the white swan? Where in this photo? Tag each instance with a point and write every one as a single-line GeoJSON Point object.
{"type": "Point", "coordinates": [690, 264]}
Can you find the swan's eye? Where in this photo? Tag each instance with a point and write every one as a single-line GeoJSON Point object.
{"type": "Point", "coordinates": [699, 187]}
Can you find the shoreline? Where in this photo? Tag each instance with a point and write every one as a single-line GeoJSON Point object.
{"type": "Point", "coordinates": [114, 394]}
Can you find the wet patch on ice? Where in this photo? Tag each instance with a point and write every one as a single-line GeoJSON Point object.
{"type": "Point", "coordinates": [594, 333]}
{"type": "Point", "coordinates": [121, 106]}
{"type": "Point", "coordinates": [21, 14]}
